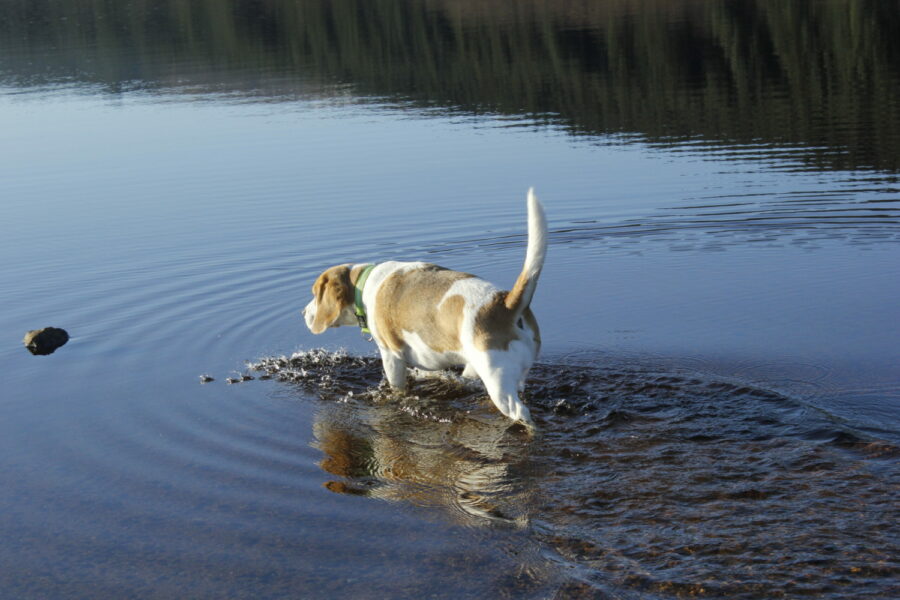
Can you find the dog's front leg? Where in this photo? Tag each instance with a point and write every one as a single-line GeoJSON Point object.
{"type": "Point", "coordinates": [394, 369]}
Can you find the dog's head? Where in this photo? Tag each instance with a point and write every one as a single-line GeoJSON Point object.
{"type": "Point", "coordinates": [332, 303]}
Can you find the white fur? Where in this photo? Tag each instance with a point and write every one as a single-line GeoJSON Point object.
{"type": "Point", "coordinates": [502, 371]}
{"type": "Point", "coordinates": [537, 244]}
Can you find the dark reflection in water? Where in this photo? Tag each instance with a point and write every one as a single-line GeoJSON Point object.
{"type": "Point", "coordinates": [431, 449]}
{"type": "Point", "coordinates": [817, 80]}
{"type": "Point", "coordinates": [470, 466]}
{"type": "Point", "coordinates": [642, 481]}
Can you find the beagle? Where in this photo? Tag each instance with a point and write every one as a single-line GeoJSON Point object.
{"type": "Point", "coordinates": [422, 315]}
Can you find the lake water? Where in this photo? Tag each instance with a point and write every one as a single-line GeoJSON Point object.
{"type": "Point", "coordinates": [718, 394]}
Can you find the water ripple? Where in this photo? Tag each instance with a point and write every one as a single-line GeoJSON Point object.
{"type": "Point", "coordinates": [647, 480]}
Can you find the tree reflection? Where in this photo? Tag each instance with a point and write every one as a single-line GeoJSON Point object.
{"type": "Point", "coordinates": [820, 75]}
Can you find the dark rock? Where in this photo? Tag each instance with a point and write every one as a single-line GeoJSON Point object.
{"type": "Point", "coordinates": [45, 341]}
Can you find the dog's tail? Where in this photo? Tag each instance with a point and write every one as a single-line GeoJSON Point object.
{"type": "Point", "coordinates": [519, 297]}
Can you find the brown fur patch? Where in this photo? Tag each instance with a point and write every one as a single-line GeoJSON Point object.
{"type": "Point", "coordinates": [408, 301]}
{"type": "Point", "coordinates": [333, 292]}
{"type": "Point", "coordinates": [494, 324]}
{"type": "Point", "coordinates": [354, 276]}
{"type": "Point", "coordinates": [514, 297]}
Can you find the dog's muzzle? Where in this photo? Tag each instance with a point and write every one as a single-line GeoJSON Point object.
{"type": "Point", "coordinates": [309, 314]}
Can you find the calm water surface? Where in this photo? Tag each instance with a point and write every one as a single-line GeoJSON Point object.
{"type": "Point", "coordinates": [719, 390]}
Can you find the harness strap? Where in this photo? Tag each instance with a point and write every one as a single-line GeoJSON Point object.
{"type": "Point", "coordinates": [358, 307]}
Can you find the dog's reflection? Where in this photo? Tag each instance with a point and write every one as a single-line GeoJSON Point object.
{"type": "Point", "coordinates": [473, 464]}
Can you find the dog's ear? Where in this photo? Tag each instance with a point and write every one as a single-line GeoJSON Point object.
{"type": "Point", "coordinates": [333, 293]}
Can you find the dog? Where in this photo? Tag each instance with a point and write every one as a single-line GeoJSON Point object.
{"type": "Point", "coordinates": [426, 316]}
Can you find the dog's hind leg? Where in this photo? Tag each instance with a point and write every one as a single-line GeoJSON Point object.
{"type": "Point", "coordinates": [506, 398]}
{"type": "Point", "coordinates": [502, 384]}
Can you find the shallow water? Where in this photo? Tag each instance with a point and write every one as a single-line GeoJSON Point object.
{"type": "Point", "coordinates": [642, 480]}
{"type": "Point", "coordinates": [719, 392]}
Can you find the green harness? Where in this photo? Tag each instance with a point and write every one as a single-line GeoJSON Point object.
{"type": "Point", "coordinates": [358, 302]}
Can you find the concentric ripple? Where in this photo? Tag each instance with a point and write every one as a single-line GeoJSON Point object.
{"type": "Point", "coordinates": [644, 480]}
